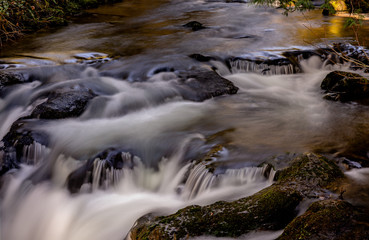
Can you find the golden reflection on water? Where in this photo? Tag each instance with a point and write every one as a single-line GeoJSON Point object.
{"type": "Point", "coordinates": [330, 29]}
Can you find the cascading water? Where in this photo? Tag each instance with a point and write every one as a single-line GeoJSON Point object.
{"type": "Point", "coordinates": [137, 147]}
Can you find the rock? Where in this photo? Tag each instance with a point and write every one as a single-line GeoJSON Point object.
{"type": "Point", "coordinates": [345, 86]}
{"type": "Point", "coordinates": [199, 85]}
{"type": "Point", "coordinates": [270, 209]}
{"type": "Point", "coordinates": [194, 25]}
{"type": "Point", "coordinates": [10, 78]}
{"type": "Point", "coordinates": [63, 104]}
{"type": "Point", "coordinates": [269, 66]}
{"type": "Point", "coordinates": [357, 55]}
{"type": "Point", "coordinates": [309, 174]}
{"type": "Point", "coordinates": [329, 219]}
{"type": "Point", "coordinates": [310, 169]}
{"type": "Point", "coordinates": [201, 58]}
{"type": "Point", "coordinates": [14, 143]}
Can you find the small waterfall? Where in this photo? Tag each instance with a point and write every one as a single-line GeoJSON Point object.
{"type": "Point", "coordinates": [35, 153]}
{"type": "Point", "coordinates": [198, 181]}
{"type": "Point", "coordinates": [104, 175]}
{"type": "Point", "coordinates": [202, 179]}
{"type": "Point", "coordinates": [263, 67]}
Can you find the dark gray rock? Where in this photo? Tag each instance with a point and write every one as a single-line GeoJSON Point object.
{"type": "Point", "coordinates": [346, 86]}
{"type": "Point", "coordinates": [63, 104]}
{"type": "Point", "coordinates": [10, 78]}
{"type": "Point", "coordinates": [357, 55]}
{"type": "Point", "coordinates": [194, 25]}
{"type": "Point", "coordinates": [201, 84]}
{"type": "Point", "coordinates": [14, 143]}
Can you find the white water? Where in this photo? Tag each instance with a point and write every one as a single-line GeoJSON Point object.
{"type": "Point", "coordinates": [156, 129]}
{"type": "Point", "coordinates": [159, 131]}
{"type": "Point", "coordinates": [161, 181]}
{"type": "Point", "coordinates": [48, 211]}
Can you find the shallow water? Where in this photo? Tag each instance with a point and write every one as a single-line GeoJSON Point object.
{"type": "Point", "coordinates": [115, 51]}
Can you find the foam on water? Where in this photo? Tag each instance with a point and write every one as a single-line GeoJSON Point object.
{"type": "Point", "coordinates": [108, 214]}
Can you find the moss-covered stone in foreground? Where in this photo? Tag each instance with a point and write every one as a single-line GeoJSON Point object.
{"type": "Point", "coordinates": [309, 174]}
{"type": "Point", "coordinates": [329, 219]}
{"type": "Point", "coordinates": [270, 209]}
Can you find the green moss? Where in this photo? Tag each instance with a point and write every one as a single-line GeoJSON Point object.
{"type": "Point", "coordinates": [310, 169]}
{"type": "Point", "coordinates": [328, 219]}
{"type": "Point", "coordinates": [271, 208]}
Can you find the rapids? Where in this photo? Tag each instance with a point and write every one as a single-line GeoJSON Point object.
{"type": "Point", "coordinates": [128, 54]}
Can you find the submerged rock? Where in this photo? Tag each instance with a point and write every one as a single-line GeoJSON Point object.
{"type": "Point", "coordinates": [63, 104]}
{"type": "Point", "coordinates": [194, 25]}
{"type": "Point", "coordinates": [270, 209]}
{"type": "Point", "coordinates": [199, 85]}
{"type": "Point", "coordinates": [329, 219]}
{"type": "Point", "coordinates": [346, 86]}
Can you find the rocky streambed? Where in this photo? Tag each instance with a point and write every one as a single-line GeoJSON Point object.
{"type": "Point", "coordinates": [307, 179]}
{"type": "Point", "coordinates": [144, 124]}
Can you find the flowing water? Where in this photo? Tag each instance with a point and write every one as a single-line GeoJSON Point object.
{"type": "Point", "coordinates": [120, 52]}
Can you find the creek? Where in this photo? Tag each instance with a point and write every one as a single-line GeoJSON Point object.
{"type": "Point", "coordinates": [128, 54]}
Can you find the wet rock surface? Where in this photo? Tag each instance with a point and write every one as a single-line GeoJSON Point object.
{"type": "Point", "coordinates": [329, 219]}
{"type": "Point", "coordinates": [356, 55]}
{"type": "Point", "coordinates": [201, 84]}
{"type": "Point", "coordinates": [270, 209]}
{"type": "Point", "coordinates": [10, 78]}
{"type": "Point", "coordinates": [346, 86]}
{"type": "Point", "coordinates": [194, 25]}
{"type": "Point", "coordinates": [14, 143]}
{"type": "Point", "coordinates": [310, 174]}
{"type": "Point", "coordinates": [63, 104]}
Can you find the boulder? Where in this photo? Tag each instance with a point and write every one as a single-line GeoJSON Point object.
{"type": "Point", "coordinates": [201, 84]}
{"type": "Point", "coordinates": [270, 209]}
{"type": "Point", "coordinates": [63, 104]}
{"type": "Point", "coordinates": [329, 219]}
{"type": "Point", "coordinates": [10, 78]}
{"type": "Point", "coordinates": [345, 86]}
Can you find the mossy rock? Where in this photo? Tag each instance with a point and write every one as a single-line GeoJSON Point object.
{"type": "Point", "coordinates": [310, 169]}
{"type": "Point", "coordinates": [329, 219]}
{"type": "Point", "coordinates": [345, 86]}
{"type": "Point", "coordinates": [269, 209]}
